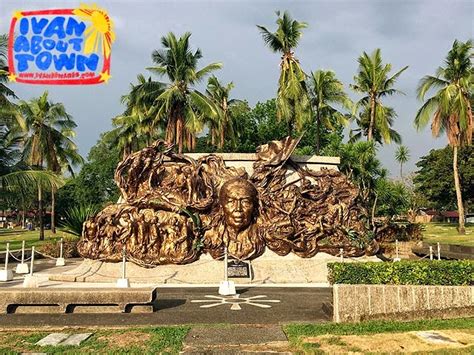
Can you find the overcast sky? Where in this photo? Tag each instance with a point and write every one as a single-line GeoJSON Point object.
{"type": "Point", "coordinates": [414, 33]}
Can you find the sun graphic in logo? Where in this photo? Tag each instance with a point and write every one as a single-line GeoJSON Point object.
{"type": "Point", "coordinates": [100, 32]}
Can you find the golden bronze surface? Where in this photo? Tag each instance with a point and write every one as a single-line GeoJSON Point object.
{"type": "Point", "coordinates": [173, 208]}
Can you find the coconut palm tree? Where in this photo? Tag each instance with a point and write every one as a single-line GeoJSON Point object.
{"type": "Point", "coordinates": [126, 134]}
{"type": "Point", "coordinates": [138, 125]}
{"type": "Point", "coordinates": [9, 120]}
{"type": "Point", "coordinates": [450, 108]}
{"type": "Point", "coordinates": [48, 143]}
{"type": "Point", "coordinates": [5, 92]}
{"type": "Point", "coordinates": [139, 103]}
{"type": "Point", "coordinates": [402, 155]}
{"type": "Point", "coordinates": [382, 132]}
{"type": "Point", "coordinates": [372, 80]}
{"type": "Point", "coordinates": [224, 124]}
{"type": "Point", "coordinates": [16, 178]}
{"type": "Point", "coordinates": [326, 90]}
{"type": "Point", "coordinates": [293, 103]}
{"type": "Point", "coordinates": [184, 106]}
{"type": "Point", "coordinates": [69, 158]}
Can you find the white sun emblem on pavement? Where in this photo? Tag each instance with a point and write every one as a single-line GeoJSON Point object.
{"type": "Point", "coordinates": [236, 301]}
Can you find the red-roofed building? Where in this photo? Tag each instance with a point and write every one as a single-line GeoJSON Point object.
{"type": "Point", "coordinates": [437, 216]}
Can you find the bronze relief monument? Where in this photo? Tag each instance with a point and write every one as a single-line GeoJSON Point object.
{"type": "Point", "coordinates": [174, 208]}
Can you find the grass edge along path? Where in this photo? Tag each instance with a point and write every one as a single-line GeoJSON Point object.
{"type": "Point", "coordinates": [297, 332]}
{"type": "Point", "coordinates": [141, 340]}
{"type": "Point", "coordinates": [16, 236]}
{"type": "Point", "coordinates": [170, 339]}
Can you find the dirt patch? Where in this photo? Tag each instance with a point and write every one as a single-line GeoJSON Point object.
{"type": "Point", "coordinates": [127, 339]}
{"type": "Point", "coordinates": [390, 342]}
{"type": "Point", "coordinates": [465, 337]}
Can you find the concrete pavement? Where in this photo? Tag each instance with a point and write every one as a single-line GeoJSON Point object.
{"type": "Point", "coordinates": [202, 306]}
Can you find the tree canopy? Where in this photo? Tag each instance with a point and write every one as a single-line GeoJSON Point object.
{"type": "Point", "coordinates": [373, 80]}
{"type": "Point", "coordinates": [292, 101]}
{"type": "Point", "coordinates": [434, 177]}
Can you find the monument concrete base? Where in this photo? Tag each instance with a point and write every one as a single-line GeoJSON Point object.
{"type": "Point", "coordinates": [270, 268]}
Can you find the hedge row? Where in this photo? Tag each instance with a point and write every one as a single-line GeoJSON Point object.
{"type": "Point", "coordinates": [443, 272]}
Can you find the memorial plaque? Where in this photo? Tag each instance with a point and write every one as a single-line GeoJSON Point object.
{"type": "Point", "coordinates": [237, 268]}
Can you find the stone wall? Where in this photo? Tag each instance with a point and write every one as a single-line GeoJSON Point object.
{"type": "Point", "coordinates": [246, 160]}
{"type": "Point", "coordinates": [354, 303]}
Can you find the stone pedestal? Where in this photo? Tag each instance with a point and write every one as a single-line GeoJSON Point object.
{"type": "Point", "coordinates": [60, 262]}
{"type": "Point", "coordinates": [30, 281]}
{"type": "Point", "coordinates": [22, 268]}
{"type": "Point", "coordinates": [123, 283]}
{"type": "Point", "coordinates": [6, 275]}
{"type": "Point", "coordinates": [269, 268]}
{"type": "Point", "coordinates": [227, 288]}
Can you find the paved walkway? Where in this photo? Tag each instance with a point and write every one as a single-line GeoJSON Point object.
{"type": "Point", "coordinates": [235, 339]}
{"type": "Point", "coordinates": [247, 323]}
{"type": "Point", "coordinates": [255, 305]}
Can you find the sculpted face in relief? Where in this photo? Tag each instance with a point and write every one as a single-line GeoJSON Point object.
{"type": "Point", "coordinates": [172, 209]}
{"type": "Point", "coordinates": [238, 198]}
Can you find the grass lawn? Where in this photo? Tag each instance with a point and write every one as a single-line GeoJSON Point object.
{"type": "Point", "coordinates": [446, 233]}
{"type": "Point", "coordinates": [150, 340]}
{"type": "Point", "coordinates": [380, 337]}
{"type": "Point", "coordinates": [31, 238]}
{"type": "Point", "coordinates": [367, 337]}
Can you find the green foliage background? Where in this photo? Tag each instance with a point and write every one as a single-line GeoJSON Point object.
{"type": "Point", "coordinates": [433, 272]}
{"type": "Point", "coordinates": [94, 185]}
{"type": "Point", "coordinates": [434, 179]}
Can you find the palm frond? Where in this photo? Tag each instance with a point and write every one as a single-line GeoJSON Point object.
{"type": "Point", "coordinates": [30, 177]}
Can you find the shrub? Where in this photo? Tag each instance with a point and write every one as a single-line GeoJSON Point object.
{"type": "Point", "coordinates": [75, 217]}
{"type": "Point", "coordinates": [51, 248]}
{"type": "Point", "coordinates": [442, 272]}
{"type": "Point", "coordinates": [389, 231]}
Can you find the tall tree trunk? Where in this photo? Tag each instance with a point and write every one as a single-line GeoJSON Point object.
{"type": "Point", "coordinates": [318, 132]}
{"type": "Point", "coordinates": [457, 185]}
{"type": "Point", "coordinates": [401, 171]}
{"type": "Point", "coordinates": [374, 206]}
{"type": "Point", "coordinates": [193, 142]}
{"type": "Point", "coordinates": [213, 137]}
{"type": "Point", "coordinates": [189, 140]}
{"type": "Point", "coordinates": [40, 211]}
{"type": "Point", "coordinates": [179, 133]}
{"type": "Point", "coordinates": [23, 213]}
{"type": "Point", "coordinates": [53, 213]}
{"type": "Point", "coordinates": [222, 137]}
{"type": "Point", "coordinates": [171, 127]}
{"type": "Point", "coordinates": [372, 119]}
{"type": "Point", "coordinates": [23, 218]}
{"type": "Point", "coordinates": [290, 128]}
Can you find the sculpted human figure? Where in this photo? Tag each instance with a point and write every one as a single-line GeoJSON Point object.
{"type": "Point", "coordinates": [173, 208]}
{"type": "Point", "coordinates": [238, 198]}
{"type": "Point", "coordinates": [239, 230]}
